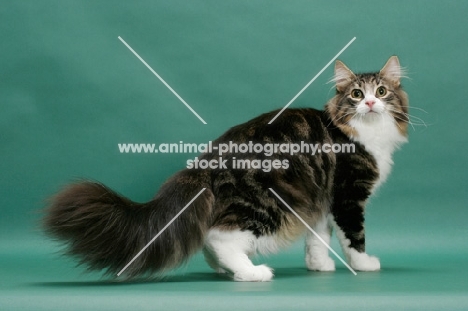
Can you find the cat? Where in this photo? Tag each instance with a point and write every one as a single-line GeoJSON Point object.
{"type": "Point", "coordinates": [237, 216]}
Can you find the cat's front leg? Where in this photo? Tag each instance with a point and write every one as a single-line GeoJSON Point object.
{"type": "Point", "coordinates": [316, 253]}
{"type": "Point", "coordinates": [348, 223]}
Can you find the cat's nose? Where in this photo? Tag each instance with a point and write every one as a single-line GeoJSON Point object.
{"type": "Point", "coordinates": [370, 103]}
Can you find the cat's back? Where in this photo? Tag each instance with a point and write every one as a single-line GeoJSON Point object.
{"type": "Point", "coordinates": [292, 125]}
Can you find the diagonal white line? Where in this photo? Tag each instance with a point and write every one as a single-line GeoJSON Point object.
{"type": "Point", "coordinates": [162, 230]}
{"type": "Point", "coordinates": [312, 230]}
{"type": "Point", "coordinates": [162, 80]}
{"type": "Point", "coordinates": [313, 79]}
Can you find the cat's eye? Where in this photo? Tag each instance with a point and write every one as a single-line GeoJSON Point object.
{"type": "Point", "coordinates": [381, 91]}
{"type": "Point", "coordinates": [356, 93]}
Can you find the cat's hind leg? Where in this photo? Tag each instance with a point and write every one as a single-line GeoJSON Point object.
{"type": "Point", "coordinates": [212, 261]}
{"type": "Point", "coordinates": [316, 257]}
{"type": "Point", "coordinates": [231, 249]}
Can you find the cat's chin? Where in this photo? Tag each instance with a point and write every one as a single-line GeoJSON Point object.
{"type": "Point", "coordinates": [371, 117]}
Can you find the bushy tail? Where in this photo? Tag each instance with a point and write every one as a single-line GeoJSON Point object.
{"type": "Point", "coordinates": [105, 230]}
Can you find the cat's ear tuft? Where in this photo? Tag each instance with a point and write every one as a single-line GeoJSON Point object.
{"type": "Point", "coordinates": [392, 70]}
{"type": "Point", "coordinates": [343, 76]}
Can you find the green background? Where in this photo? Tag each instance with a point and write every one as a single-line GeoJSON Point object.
{"type": "Point", "coordinates": [70, 91]}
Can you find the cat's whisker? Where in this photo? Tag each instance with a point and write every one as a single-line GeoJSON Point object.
{"type": "Point", "coordinates": [343, 116]}
{"type": "Point", "coordinates": [403, 120]}
{"type": "Point", "coordinates": [417, 119]}
{"type": "Point", "coordinates": [406, 120]}
{"type": "Point", "coordinates": [411, 118]}
{"type": "Point", "coordinates": [409, 121]}
{"type": "Point", "coordinates": [360, 116]}
{"type": "Point", "coordinates": [346, 115]}
{"type": "Point", "coordinates": [336, 119]}
{"type": "Point", "coordinates": [417, 108]}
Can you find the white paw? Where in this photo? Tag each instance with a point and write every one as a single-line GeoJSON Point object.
{"type": "Point", "coordinates": [364, 262]}
{"type": "Point", "coordinates": [260, 273]}
{"type": "Point", "coordinates": [320, 264]}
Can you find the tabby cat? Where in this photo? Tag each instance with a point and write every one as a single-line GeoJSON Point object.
{"type": "Point", "coordinates": [237, 215]}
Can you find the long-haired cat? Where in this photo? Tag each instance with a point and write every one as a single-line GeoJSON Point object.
{"type": "Point", "coordinates": [237, 216]}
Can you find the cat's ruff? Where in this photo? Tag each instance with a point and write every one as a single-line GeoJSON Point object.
{"type": "Point", "coordinates": [381, 138]}
{"type": "Point", "coordinates": [237, 216]}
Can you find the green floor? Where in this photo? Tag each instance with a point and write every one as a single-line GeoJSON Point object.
{"type": "Point", "coordinates": [33, 277]}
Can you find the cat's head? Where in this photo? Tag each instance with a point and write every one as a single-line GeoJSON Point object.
{"type": "Point", "coordinates": [370, 98]}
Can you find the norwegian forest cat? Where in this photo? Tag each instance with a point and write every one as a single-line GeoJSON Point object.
{"type": "Point", "coordinates": [237, 215]}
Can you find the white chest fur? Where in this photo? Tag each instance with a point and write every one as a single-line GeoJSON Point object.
{"type": "Point", "coordinates": [380, 136]}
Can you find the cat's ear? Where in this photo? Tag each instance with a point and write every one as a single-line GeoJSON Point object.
{"type": "Point", "coordinates": [343, 76]}
{"type": "Point", "coordinates": [392, 70]}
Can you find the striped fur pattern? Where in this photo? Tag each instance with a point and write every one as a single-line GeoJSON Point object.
{"type": "Point", "coordinates": [237, 216]}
